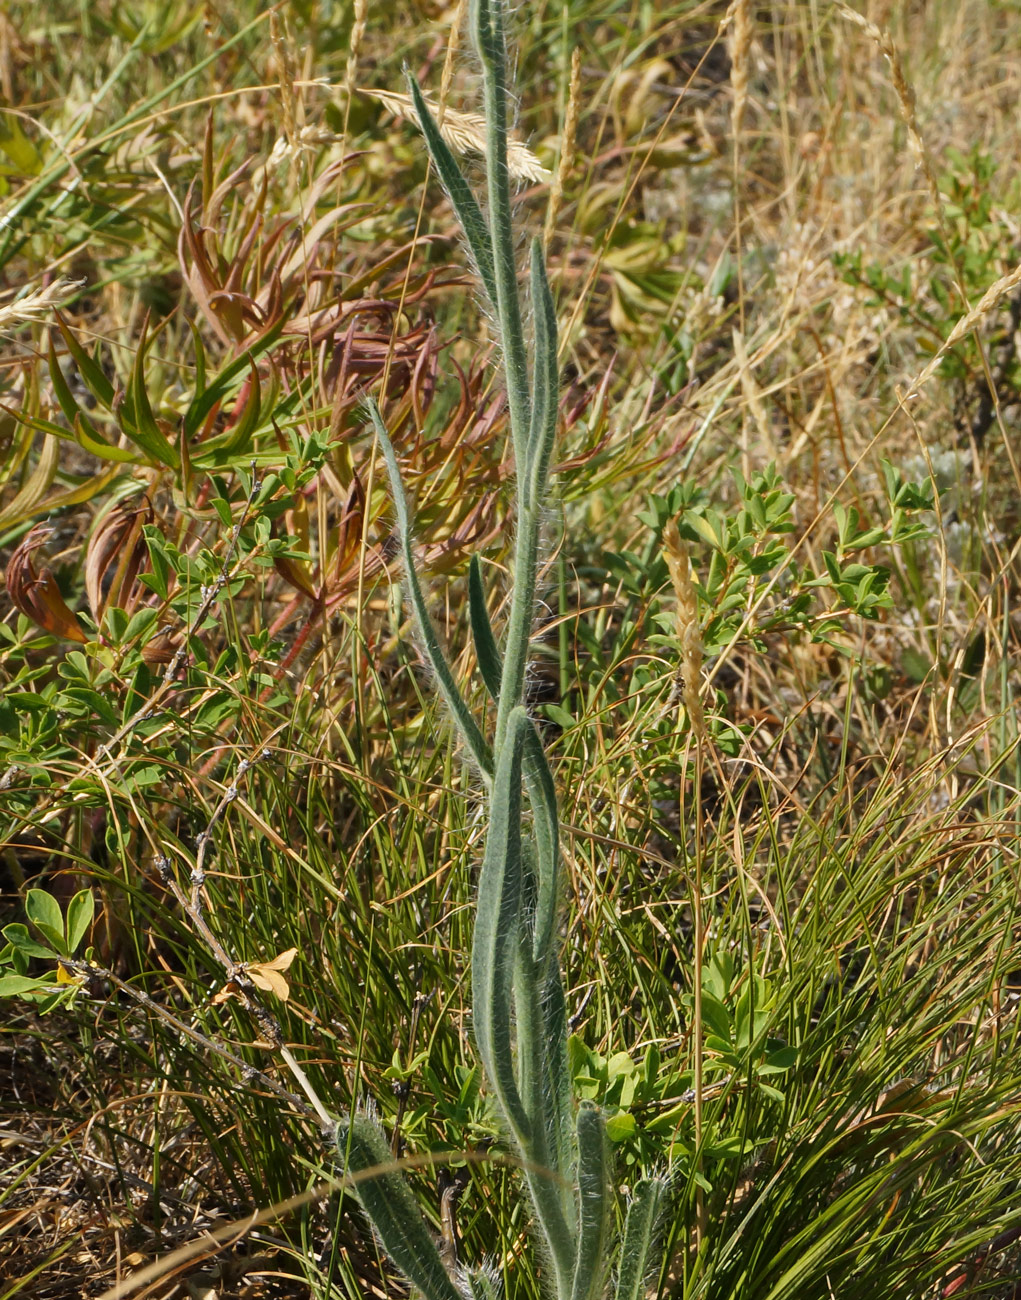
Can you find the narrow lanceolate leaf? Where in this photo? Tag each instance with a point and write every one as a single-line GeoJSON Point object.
{"type": "Point", "coordinates": [545, 377]}
{"type": "Point", "coordinates": [137, 416]}
{"type": "Point", "coordinates": [388, 1201]}
{"type": "Point", "coordinates": [93, 375]}
{"type": "Point", "coordinates": [557, 1092]}
{"type": "Point", "coordinates": [498, 930]}
{"type": "Point", "coordinates": [486, 650]}
{"type": "Point", "coordinates": [468, 212]}
{"type": "Point", "coordinates": [467, 725]}
{"type": "Point", "coordinates": [548, 1174]}
{"type": "Point", "coordinates": [593, 1204]}
{"type": "Point", "coordinates": [542, 918]}
{"type": "Point", "coordinates": [640, 1228]}
{"type": "Point", "coordinates": [487, 33]}
{"type": "Point", "coordinates": [542, 796]}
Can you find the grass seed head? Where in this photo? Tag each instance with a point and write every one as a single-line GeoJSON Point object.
{"type": "Point", "coordinates": [689, 632]}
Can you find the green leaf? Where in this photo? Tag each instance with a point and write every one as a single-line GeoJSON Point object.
{"type": "Point", "coordinates": [65, 399]}
{"type": "Point", "coordinates": [640, 1226]}
{"type": "Point", "coordinates": [467, 725]}
{"type": "Point", "coordinates": [488, 36]}
{"type": "Point", "coordinates": [387, 1200]}
{"type": "Point", "coordinates": [80, 912]}
{"type": "Point", "coordinates": [622, 1126]}
{"type": "Point", "coordinates": [498, 929]}
{"type": "Point", "coordinates": [15, 985]}
{"type": "Point", "coordinates": [705, 530]}
{"type": "Point", "coordinates": [137, 417]}
{"type": "Point", "coordinates": [140, 625]}
{"type": "Point", "coordinates": [486, 650]}
{"type": "Point", "coordinates": [92, 373]}
{"type": "Point", "coordinates": [205, 401]}
{"type": "Point", "coordinates": [483, 1284]}
{"type": "Point", "coordinates": [43, 910]}
{"type": "Point", "coordinates": [545, 380]}
{"type": "Point", "coordinates": [593, 1204]}
{"type": "Point", "coordinates": [18, 937]}
{"type": "Point", "coordinates": [561, 716]}
{"type": "Point", "coordinates": [89, 440]}
{"type": "Point", "coordinates": [463, 201]}
{"type": "Point", "coordinates": [157, 580]}
{"type": "Point", "coordinates": [237, 441]}
{"type": "Point", "coordinates": [716, 1016]}
{"type": "Point", "coordinates": [778, 1061]}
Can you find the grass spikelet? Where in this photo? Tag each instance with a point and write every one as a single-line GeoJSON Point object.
{"type": "Point", "coordinates": [287, 74]}
{"type": "Point", "coordinates": [688, 630]}
{"type": "Point", "coordinates": [453, 42]}
{"type": "Point", "coordinates": [33, 306]}
{"type": "Point", "coordinates": [355, 45]}
{"type": "Point", "coordinates": [739, 43]}
{"type": "Point", "coordinates": [567, 148]}
{"type": "Point", "coordinates": [905, 96]}
{"type": "Point", "coordinates": [985, 306]}
{"type": "Point", "coordinates": [466, 134]}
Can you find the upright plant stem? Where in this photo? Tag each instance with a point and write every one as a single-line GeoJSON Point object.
{"type": "Point", "coordinates": [697, 1024]}
{"type": "Point", "coordinates": [491, 45]}
{"type": "Point", "coordinates": [518, 1006]}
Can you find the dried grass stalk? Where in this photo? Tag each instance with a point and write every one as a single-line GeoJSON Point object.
{"type": "Point", "coordinates": [287, 75]}
{"type": "Point", "coordinates": [988, 303]}
{"type": "Point", "coordinates": [466, 133]}
{"type": "Point", "coordinates": [905, 97]}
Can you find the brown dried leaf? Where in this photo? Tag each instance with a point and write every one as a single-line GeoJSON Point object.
{"type": "Point", "coordinates": [114, 557]}
{"type": "Point", "coordinates": [36, 593]}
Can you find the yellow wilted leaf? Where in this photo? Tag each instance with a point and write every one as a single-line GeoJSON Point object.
{"type": "Point", "coordinates": [267, 975]}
